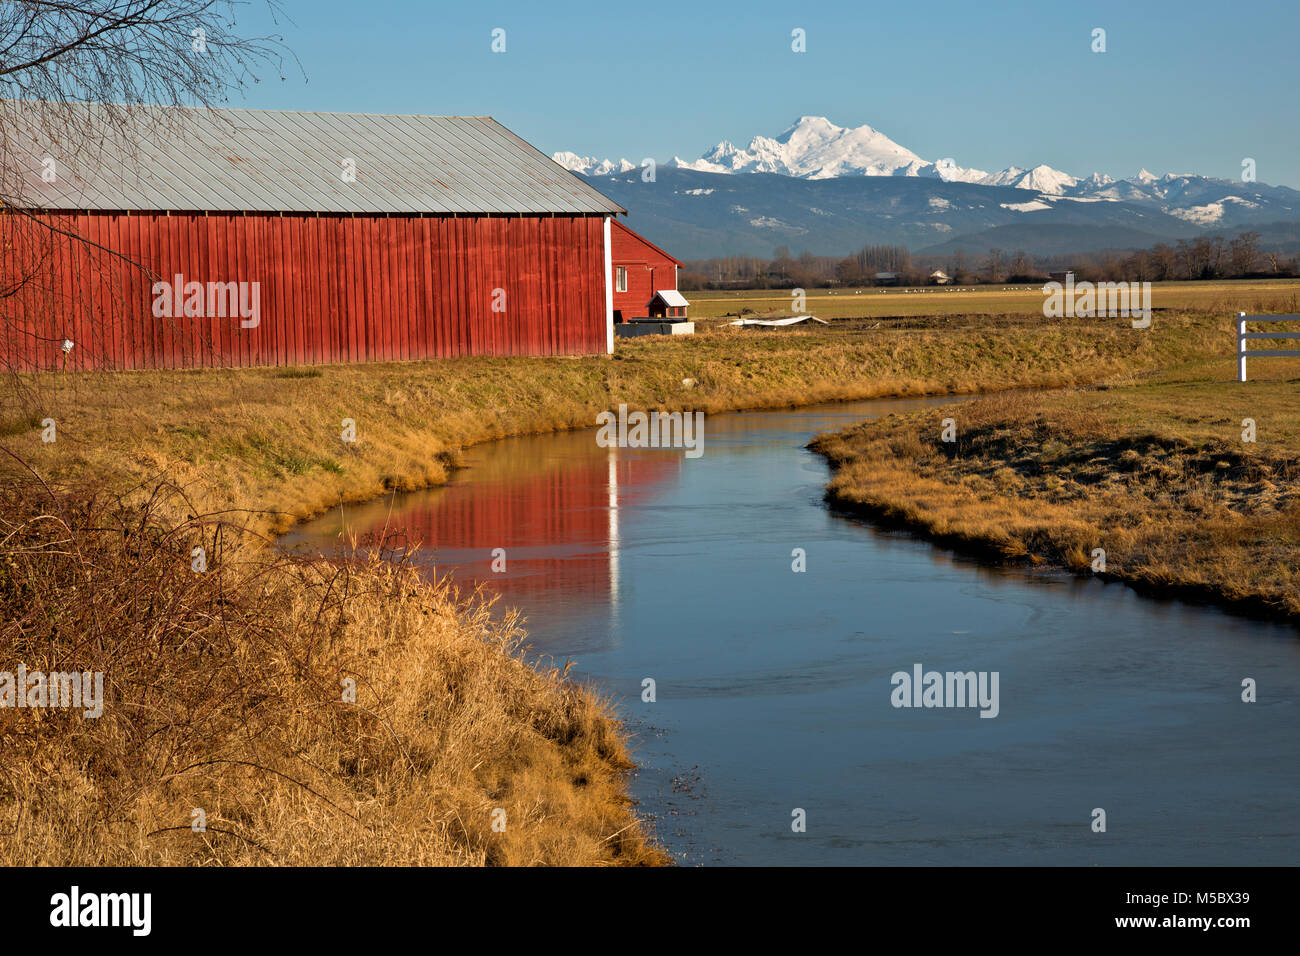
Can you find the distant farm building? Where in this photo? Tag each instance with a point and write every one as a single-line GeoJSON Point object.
{"type": "Point", "coordinates": [646, 300]}
{"type": "Point", "coordinates": [668, 304]}
{"type": "Point", "coordinates": [645, 278]}
{"type": "Point", "coordinates": [939, 277]}
{"type": "Point", "coordinates": [253, 237]}
{"type": "Point", "coordinates": [886, 278]}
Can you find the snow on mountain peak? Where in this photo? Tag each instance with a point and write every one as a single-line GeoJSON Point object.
{"type": "Point", "coordinates": [812, 125]}
{"type": "Point", "coordinates": [590, 165]}
{"type": "Point", "coordinates": [1045, 179]}
{"type": "Point", "coordinates": [815, 148]}
{"type": "Point", "coordinates": [572, 161]}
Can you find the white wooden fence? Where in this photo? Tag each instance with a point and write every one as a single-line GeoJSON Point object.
{"type": "Point", "coordinates": [1243, 337]}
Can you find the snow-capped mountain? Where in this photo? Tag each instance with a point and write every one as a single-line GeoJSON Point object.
{"type": "Point", "coordinates": [1043, 179]}
{"type": "Point", "coordinates": [820, 185]}
{"type": "Point", "coordinates": [699, 215]}
{"type": "Point", "coordinates": [590, 165]}
{"type": "Point", "coordinates": [815, 148]}
{"type": "Point", "coordinates": [1201, 200]}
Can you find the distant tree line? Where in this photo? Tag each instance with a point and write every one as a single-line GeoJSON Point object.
{"type": "Point", "coordinates": [1205, 257]}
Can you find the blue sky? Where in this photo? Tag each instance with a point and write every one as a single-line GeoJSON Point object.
{"type": "Point", "coordinates": [1182, 87]}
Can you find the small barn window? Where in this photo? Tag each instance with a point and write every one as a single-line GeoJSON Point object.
{"type": "Point", "coordinates": [620, 279]}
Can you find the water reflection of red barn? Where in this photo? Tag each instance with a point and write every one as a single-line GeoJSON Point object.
{"type": "Point", "coordinates": [559, 528]}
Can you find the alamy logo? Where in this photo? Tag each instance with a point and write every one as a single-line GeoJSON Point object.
{"type": "Point", "coordinates": [951, 689]}
{"type": "Point", "coordinates": [75, 908]}
{"type": "Point", "coordinates": [83, 690]}
{"type": "Point", "coordinates": [1086, 300]}
{"type": "Point", "coordinates": [214, 300]}
{"type": "Point", "coordinates": [652, 430]}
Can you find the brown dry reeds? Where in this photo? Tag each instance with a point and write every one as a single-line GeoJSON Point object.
{"type": "Point", "coordinates": [267, 442]}
{"type": "Point", "coordinates": [225, 687]}
{"type": "Point", "coordinates": [1158, 477]}
{"type": "Point", "coordinates": [305, 712]}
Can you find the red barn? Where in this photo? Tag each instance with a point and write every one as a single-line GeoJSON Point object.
{"type": "Point", "coordinates": [255, 237]}
{"type": "Point", "coordinates": [645, 278]}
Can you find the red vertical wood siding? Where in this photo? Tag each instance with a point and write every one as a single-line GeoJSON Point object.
{"type": "Point", "coordinates": [649, 269]}
{"type": "Point", "coordinates": [332, 288]}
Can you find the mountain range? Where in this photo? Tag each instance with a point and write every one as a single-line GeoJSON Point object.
{"type": "Point", "coordinates": [828, 190]}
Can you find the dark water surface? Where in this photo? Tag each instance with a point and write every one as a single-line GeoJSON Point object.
{"type": "Point", "coordinates": [774, 688]}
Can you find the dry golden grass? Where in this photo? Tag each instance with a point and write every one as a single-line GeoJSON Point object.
{"type": "Point", "coordinates": [267, 442]}
{"type": "Point", "coordinates": [225, 686]}
{"type": "Point", "coordinates": [1156, 474]}
{"type": "Point", "coordinates": [225, 692]}
{"type": "Point", "coordinates": [1218, 296]}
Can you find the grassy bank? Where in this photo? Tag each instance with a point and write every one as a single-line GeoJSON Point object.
{"type": "Point", "coordinates": [223, 687]}
{"type": "Point", "coordinates": [267, 443]}
{"type": "Point", "coordinates": [227, 691]}
{"type": "Point", "coordinates": [1156, 474]}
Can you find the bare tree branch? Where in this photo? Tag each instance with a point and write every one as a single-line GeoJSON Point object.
{"type": "Point", "coordinates": [130, 56]}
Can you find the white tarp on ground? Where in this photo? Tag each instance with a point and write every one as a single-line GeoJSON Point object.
{"type": "Point", "coordinates": [775, 322]}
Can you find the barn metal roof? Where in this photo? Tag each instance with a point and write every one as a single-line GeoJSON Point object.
{"type": "Point", "coordinates": [239, 160]}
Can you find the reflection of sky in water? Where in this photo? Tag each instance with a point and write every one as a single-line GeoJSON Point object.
{"type": "Point", "coordinates": [773, 687]}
